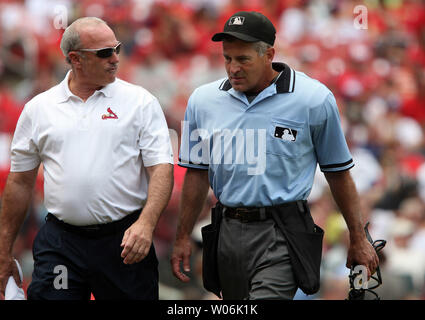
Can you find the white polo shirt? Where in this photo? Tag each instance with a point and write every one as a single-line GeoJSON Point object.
{"type": "Point", "coordinates": [94, 153]}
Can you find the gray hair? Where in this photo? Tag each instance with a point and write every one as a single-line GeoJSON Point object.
{"type": "Point", "coordinates": [259, 46]}
{"type": "Point", "coordinates": [71, 37]}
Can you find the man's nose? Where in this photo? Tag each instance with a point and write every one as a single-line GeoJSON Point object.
{"type": "Point", "coordinates": [234, 68]}
{"type": "Point", "coordinates": [114, 58]}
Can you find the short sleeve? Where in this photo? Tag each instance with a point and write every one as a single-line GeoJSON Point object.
{"type": "Point", "coordinates": [328, 138]}
{"type": "Point", "coordinates": [194, 142]}
{"type": "Point", "coordinates": [155, 143]}
{"type": "Point", "coordinates": [24, 150]}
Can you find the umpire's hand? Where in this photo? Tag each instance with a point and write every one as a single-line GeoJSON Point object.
{"type": "Point", "coordinates": [361, 252]}
{"type": "Point", "coordinates": [8, 268]}
{"type": "Point", "coordinates": [181, 252]}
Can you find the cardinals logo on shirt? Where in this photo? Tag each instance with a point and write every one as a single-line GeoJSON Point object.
{"type": "Point", "coordinates": [109, 115]}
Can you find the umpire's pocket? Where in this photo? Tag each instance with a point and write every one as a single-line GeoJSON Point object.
{"type": "Point", "coordinates": [305, 251]}
{"type": "Point", "coordinates": [210, 277]}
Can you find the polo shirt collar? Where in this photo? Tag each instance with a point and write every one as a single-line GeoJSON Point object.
{"type": "Point", "coordinates": [65, 93]}
{"type": "Point", "coordinates": [284, 84]}
{"type": "Point", "coordinates": [108, 89]}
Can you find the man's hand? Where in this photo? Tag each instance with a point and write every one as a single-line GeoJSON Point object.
{"type": "Point", "coordinates": [194, 192]}
{"type": "Point", "coordinates": [181, 253]}
{"type": "Point", "coordinates": [361, 252]}
{"type": "Point", "coordinates": [8, 268]}
{"type": "Point", "coordinates": [137, 239]}
{"type": "Point", "coordinates": [15, 202]}
{"type": "Point", "coordinates": [136, 242]}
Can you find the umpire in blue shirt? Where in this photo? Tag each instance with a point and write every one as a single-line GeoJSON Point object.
{"type": "Point", "coordinates": [256, 138]}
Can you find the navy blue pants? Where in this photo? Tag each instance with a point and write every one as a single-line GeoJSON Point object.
{"type": "Point", "coordinates": [71, 266]}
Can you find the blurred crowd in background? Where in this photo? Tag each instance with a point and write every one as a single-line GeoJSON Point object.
{"type": "Point", "coordinates": [375, 66]}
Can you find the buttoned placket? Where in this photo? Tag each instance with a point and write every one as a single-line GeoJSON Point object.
{"type": "Point", "coordinates": [84, 109]}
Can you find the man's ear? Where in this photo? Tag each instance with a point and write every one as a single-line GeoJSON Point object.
{"type": "Point", "coordinates": [270, 54]}
{"type": "Point", "coordinates": [75, 59]}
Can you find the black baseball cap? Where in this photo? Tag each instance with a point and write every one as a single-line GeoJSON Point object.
{"type": "Point", "coordinates": [248, 26]}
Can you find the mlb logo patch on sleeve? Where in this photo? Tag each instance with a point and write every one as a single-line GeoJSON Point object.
{"type": "Point", "coordinates": [286, 134]}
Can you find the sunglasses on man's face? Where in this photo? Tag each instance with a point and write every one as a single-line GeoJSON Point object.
{"type": "Point", "coordinates": [104, 52]}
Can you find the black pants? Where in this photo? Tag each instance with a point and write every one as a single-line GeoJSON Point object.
{"type": "Point", "coordinates": [71, 266]}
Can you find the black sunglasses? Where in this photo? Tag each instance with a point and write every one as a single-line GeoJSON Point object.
{"type": "Point", "coordinates": [104, 52]}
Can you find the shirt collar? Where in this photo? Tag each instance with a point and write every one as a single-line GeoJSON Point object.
{"type": "Point", "coordinates": [284, 84]}
{"type": "Point", "coordinates": [65, 93]}
{"type": "Point", "coordinates": [108, 89]}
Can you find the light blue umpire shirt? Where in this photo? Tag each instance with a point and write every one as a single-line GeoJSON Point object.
{"type": "Point", "coordinates": [264, 153]}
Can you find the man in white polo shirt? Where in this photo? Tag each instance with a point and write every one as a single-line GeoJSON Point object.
{"type": "Point", "coordinates": [106, 154]}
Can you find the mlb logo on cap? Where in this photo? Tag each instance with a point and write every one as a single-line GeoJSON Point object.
{"type": "Point", "coordinates": [248, 26]}
{"type": "Point", "coordinates": [236, 21]}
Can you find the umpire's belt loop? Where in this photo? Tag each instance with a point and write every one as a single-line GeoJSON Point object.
{"type": "Point", "coordinates": [300, 204]}
{"type": "Point", "coordinates": [263, 215]}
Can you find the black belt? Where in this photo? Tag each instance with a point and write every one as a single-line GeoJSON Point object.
{"type": "Point", "coordinates": [97, 230]}
{"type": "Point", "coordinates": [251, 214]}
